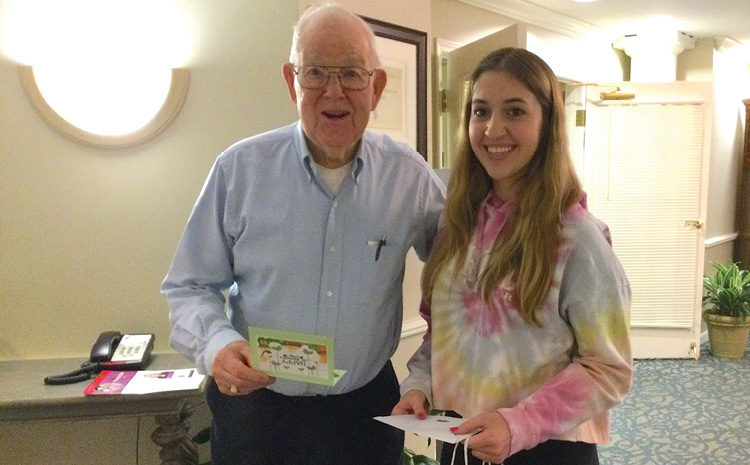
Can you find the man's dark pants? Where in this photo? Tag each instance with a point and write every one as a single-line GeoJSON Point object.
{"type": "Point", "coordinates": [269, 428]}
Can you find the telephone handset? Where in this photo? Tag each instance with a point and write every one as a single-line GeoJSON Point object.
{"type": "Point", "coordinates": [122, 351]}
{"type": "Point", "coordinates": [111, 351]}
{"type": "Point", "coordinates": [105, 346]}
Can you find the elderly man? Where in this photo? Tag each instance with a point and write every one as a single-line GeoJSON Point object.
{"type": "Point", "coordinates": [306, 229]}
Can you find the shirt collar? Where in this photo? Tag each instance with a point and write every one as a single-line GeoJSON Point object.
{"type": "Point", "coordinates": [308, 162]}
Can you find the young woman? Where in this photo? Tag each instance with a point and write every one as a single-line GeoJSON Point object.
{"type": "Point", "coordinates": [525, 300]}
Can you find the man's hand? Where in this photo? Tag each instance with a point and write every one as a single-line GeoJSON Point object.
{"type": "Point", "coordinates": [232, 370]}
{"type": "Point", "coordinates": [413, 401]}
{"type": "Point", "coordinates": [492, 442]}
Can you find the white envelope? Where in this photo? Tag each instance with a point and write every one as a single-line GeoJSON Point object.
{"type": "Point", "coordinates": [434, 426]}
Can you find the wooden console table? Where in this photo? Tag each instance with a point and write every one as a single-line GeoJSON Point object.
{"type": "Point", "coordinates": [25, 397]}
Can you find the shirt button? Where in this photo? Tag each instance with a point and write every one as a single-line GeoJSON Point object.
{"type": "Point", "coordinates": [329, 294]}
{"type": "Point", "coordinates": [333, 248]}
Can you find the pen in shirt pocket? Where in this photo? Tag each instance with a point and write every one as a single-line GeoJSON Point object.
{"type": "Point", "coordinates": [379, 244]}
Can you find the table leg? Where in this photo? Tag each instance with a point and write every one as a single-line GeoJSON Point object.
{"type": "Point", "coordinates": [171, 434]}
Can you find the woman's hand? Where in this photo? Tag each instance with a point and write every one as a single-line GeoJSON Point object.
{"type": "Point", "coordinates": [492, 442]}
{"type": "Point", "coordinates": [232, 370]}
{"type": "Point", "coordinates": [413, 401]}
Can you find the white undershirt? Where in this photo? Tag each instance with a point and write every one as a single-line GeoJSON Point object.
{"type": "Point", "coordinates": [334, 177]}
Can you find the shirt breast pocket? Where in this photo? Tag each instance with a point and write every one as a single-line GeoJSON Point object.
{"type": "Point", "coordinates": [381, 269]}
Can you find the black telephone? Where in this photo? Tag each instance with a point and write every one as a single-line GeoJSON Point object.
{"type": "Point", "coordinates": [111, 351]}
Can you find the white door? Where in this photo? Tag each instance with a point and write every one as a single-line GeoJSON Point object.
{"type": "Point", "coordinates": [459, 64]}
{"type": "Point", "coordinates": [645, 173]}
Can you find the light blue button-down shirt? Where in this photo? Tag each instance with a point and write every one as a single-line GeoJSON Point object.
{"type": "Point", "coordinates": [290, 255]}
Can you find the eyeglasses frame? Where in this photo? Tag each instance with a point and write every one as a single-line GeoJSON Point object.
{"type": "Point", "coordinates": [337, 73]}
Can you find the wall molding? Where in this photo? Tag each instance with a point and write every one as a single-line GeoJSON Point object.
{"type": "Point", "coordinates": [413, 328]}
{"type": "Point", "coordinates": [536, 15]}
{"type": "Point", "coordinates": [443, 46]}
{"type": "Point", "coordinates": [718, 240]}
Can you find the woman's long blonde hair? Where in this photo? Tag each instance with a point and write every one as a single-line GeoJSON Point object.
{"type": "Point", "coordinates": [526, 250]}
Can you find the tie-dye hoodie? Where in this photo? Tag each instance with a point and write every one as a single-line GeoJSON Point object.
{"type": "Point", "coordinates": [557, 381]}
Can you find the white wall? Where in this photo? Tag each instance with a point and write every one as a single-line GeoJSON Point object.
{"type": "Point", "coordinates": [571, 58]}
{"type": "Point", "coordinates": [88, 234]}
{"type": "Point", "coordinates": [731, 84]}
{"type": "Point", "coordinates": [576, 60]}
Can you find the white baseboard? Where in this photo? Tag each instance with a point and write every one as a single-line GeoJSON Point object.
{"type": "Point", "coordinates": [413, 327]}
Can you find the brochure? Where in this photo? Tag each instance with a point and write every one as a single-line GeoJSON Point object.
{"type": "Point", "coordinates": [144, 381]}
{"type": "Point", "coordinates": [292, 355]}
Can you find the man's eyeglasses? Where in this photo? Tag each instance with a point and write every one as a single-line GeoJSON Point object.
{"type": "Point", "coordinates": [316, 77]}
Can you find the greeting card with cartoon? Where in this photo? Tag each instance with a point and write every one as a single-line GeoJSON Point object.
{"type": "Point", "coordinates": [291, 355]}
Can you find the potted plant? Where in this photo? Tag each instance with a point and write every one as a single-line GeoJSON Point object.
{"type": "Point", "coordinates": [727, 310]}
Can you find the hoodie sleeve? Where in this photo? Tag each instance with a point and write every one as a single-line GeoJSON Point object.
{"type": "Point", "coordinates": [594, 300]}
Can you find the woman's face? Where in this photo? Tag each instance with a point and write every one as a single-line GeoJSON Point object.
{"type": "Point", "coordinates": [505, 126]}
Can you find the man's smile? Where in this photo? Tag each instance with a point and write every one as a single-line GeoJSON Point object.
{"type": "Point", "coordinates": [333, 114]}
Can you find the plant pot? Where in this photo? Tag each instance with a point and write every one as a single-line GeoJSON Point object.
{"type": "Point", "coordinates": [727, 336]}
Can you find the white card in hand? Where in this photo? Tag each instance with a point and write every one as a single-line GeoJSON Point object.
{"type": "Point", "coordinates": [434, 426]}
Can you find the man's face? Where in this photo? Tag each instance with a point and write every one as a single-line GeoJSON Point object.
{"type": "Point", "coordinates": [334, 118]}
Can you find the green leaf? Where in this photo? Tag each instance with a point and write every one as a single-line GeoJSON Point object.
{"type": "Point", "coordinates": [728, 291]}
{"type": "Point", "coordinates": [424, 460]}
{"type": "Point", "coordinates": [203, 436]}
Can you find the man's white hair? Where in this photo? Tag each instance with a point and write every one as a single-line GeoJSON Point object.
{"type": "Point", "coordinates": [330, 9]}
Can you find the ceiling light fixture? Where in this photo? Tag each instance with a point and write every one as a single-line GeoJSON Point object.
{"type": "Point", "coordinates": [104, 73]}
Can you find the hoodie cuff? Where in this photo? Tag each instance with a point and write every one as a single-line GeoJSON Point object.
{"type": "Point", "coordinates": [523, 435]}
{"type": "Point", "coordinates": [413, 383]}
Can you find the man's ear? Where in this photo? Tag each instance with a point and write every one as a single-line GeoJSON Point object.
{"type": "Point", "coordinates": [380, 78]}
{"type": "Point", "coordinates": [287, 69]}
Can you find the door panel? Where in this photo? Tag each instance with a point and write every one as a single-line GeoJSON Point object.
{"type": "Point", "coordinates": [645, 176]}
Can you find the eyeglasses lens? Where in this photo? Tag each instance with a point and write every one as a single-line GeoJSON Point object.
{"type": "Point", "coordinates": [316, 77]}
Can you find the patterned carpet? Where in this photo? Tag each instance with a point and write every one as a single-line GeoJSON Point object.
{"type": "Point", "coordinates": [684, 412]}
